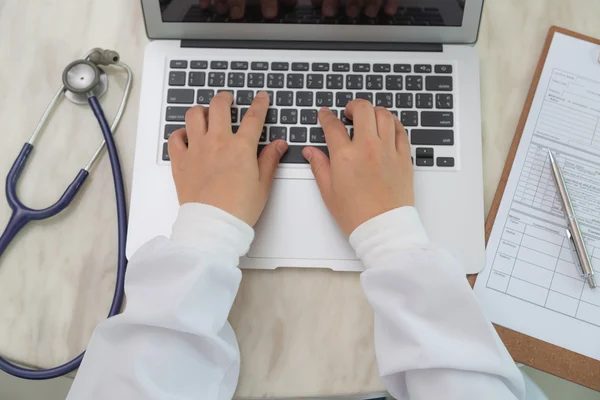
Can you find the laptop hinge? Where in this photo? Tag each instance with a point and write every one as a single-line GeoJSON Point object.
{"type": "Point", "coordinates": [314, 45]}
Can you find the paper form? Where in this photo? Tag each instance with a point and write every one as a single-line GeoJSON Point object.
{"type": "Point", "coordinates": [530, 283]}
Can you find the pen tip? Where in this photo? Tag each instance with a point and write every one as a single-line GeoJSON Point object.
{"type": "Point", "coordinates": [550, 155]}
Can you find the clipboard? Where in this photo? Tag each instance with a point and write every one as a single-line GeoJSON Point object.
{"type": "Point", "coordinates": [525, 349]}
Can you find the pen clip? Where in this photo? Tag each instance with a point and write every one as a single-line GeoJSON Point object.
{"type": "Point", "coordinates": [575, 255]}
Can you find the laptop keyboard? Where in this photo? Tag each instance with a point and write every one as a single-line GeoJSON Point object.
{"type": "Point", "coordinates": [421, 95]}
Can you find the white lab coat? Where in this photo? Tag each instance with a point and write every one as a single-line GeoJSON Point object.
{"type": "Point", "coordinates": [173, 340]}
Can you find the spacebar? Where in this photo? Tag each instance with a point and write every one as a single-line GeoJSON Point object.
{"type": "Point", "coordinates": [294, 154]}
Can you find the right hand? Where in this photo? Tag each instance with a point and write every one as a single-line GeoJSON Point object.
{"type": "Point", "coordinates": [365, 176]}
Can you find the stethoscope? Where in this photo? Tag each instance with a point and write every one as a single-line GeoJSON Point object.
{"type": "Point", "coordinates": [83, 82]}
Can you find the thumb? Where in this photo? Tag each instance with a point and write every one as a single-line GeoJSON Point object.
{"type": "Point", "coordinates": [268, 162]}
{"type": "Point", "coordinates": [319, 163]}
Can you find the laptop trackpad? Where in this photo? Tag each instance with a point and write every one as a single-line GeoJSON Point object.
{"type": "Point", "coordinates": [296, 224]}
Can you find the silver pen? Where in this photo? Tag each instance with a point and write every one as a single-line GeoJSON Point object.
{"type": "Point", "coordinates": [581, 257]}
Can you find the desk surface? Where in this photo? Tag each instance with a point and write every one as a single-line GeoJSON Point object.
{"type": "Point", "coordinates": [56, 283]}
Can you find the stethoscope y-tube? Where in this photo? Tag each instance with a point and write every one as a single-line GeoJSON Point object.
{"type": "Point", "coordinates": [78, 80]}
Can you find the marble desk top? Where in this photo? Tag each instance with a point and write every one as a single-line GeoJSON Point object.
{"type": "Point", "coordinates": [56, 282]}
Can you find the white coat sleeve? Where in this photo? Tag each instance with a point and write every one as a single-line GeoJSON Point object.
{"type": "Point", "coordinates": [432, 339]}
{"type": "Point", "coordinates": [173, 340]}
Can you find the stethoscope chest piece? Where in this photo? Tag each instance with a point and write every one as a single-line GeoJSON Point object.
{"type": "Point", "coordinates": [82, 79]}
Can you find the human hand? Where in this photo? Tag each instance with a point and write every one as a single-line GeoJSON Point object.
{"type": "Point", "coordinates": [219, 168]}
{"type": "Point", "coordinates": [365, 176]}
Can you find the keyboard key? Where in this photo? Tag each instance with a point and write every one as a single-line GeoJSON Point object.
{"type": "Point", "coordinates": [351, 133]}
{"type": "Point", "coordinates": [243, 112]}
{"type": "Point", "coordinates": [335, 81]}
{"type": "Point", "coordinates": [320, 66]}
{"type": "Point", "coordinates": [365, 96]}
{"type": "Point", "coordinates": [234, 115]}
{"type": "Point", "coordinates": [443, 69]}
{"type": "Point", "coordinates": [277, 132]}
{"type": "Point", "coordinates": [298, 134]}
{"type": "Point", "coordinates": [426, 152]}
{"type": "Point", "coordinates": [204, 96]}
{"type": "Point", "coordinates": [280, 66]}
{"type": "Point", "coordinates": [393, 82]}
{"type": "Point", "coordinates": [374, 82]}
{"type": "Point", "coordinates": [414, 82]}
{"type": "Point", "coordinates": [444, 101]}
{"type": "Point", "coordinates": [244, 97]}
{"type": "Point", "coordinates": [239, 65]}
{"type": "Point", "coordinates": [236, 79]}
{"type": "Point", "coordinates": [275, 80]}
{"type": "Point", "coordinates": [410, 118]}
{"type": "Point", "coordinates": [197, 79]}
{"type": "Point", "coordinates": [178, 64]}
{"type": "Point", "coordinates": [354, 82]}
{"type": "Point", "coordinates": [177, 78]}
{"type": "Point", "coordinates": [384, 100]}
{"type": "Point", "coordinates": [289, 116]}
{"type": "Point", "coordinates": [270, 93]}
{"type": "Point", "coordinates": [304, 99]}
{"type": "Point", "coordinates": [430, 137]}
{"type": "Point", "coordinates": [271, 116]}
{"type": "Point", "coordinates": [263, 135]}
{"type": "Point", "coordinates": [361, 67]}
{"type": "Point", "coordinates": [324, 99]}
{"type": "Point", "coordinates": [424, 100]}
{"type": "Point", "coordinates": [180, 96]}
{"type": "Point", "coordinates": [176, 114]}
{"type": "Point", "coordinates": [259, 66]}
{"type": "Point", "coordinates": [294, 154]}
{"type": "Point", "coordinates": [317, 135]}
{"type": "Point", "coordinates": [314, 81]}
{"type": "Point", "coordinates": [402, 68]}
{"type": "Point", "coordinates": [424, 162]}
{"type": "Point", "coordinates": [342, 98]}
{"type": "Point", "coordinates": [445, 161]}
{"type": "Point", "coordinates": [170, 128]}
{"type": "Point", "coordinates": [440, 83]}
{"type": "Point", "coordinates": [382, 68]}
{"type": "Point", "coordinates": [199, 64]}
{"type": "Point", "coordinates": [216, 79]}
{"type": "Point", "coordinates": [256, 79]}
{"type": "Point", "coordinates": [234, 129]}
{"type": "Point", "coordinates": [345, 120]}
{"type": "Point", "coordinates": [285, 98]}
{"type": "Point", "coordinates": [308, 117]}
{"type": "Point", "coordinates": [300, 66]}
{"type": "Point", "coordinates": [295, 81]}
{"type": "Point", "coordinates": [341, 67]}
{"type": "Point", "coordinates": [404, 100]}
{"type": "Point", "coordinates": [165, 152]}
{"type": "Point", "coordinates": [437, 118]}
{"type": "Point", "coordinates": [335, 112]}
{"type": "Point", "coordinates": [219, 64]}
{"type": "Point", "coordinates": [423, 68]}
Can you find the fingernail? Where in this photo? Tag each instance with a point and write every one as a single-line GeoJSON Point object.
{"type": "Point", "coordinates": [371, 11]}
{"type": "Point", "coordinates": [390, 10]}
{"type": "Point", "coordinates": [270, 12]}
{"type": "Point", "coordinates": [236, 12]}
{"type": "Point", "coordinates": [307, 153]}
{"type": "Point", "coordinates": [328, 11]}
{"type": "Point", "coordinates": [395, 117]}
{"type": "Point", "coordinates": [352, 11]}
{"type": "Point", "coordinates": [281, 147]}
{"type": "Point", "coordinates": [262, 94]}
{"type": "Point", "coordinates": [323, 109]}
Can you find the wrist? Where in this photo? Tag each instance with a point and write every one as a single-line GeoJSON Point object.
{"type": "Point", "coordinates": [209, 228]}
{"type": "Point", "coordinates": [380, 237]}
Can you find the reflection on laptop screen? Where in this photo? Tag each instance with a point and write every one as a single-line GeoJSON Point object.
{"type": "Point", "coordinates": [322, 12]}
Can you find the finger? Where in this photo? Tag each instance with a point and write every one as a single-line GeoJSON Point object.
{"type": "Point", "coordinates": [219, 113]}
{"type": "Point", "coordinates": [402, 145]}
{"type": "Point", "coordinates": [353, 8]}
{"type": "Point", "coordinates": [391, 7]}
{"type": "Point", "coordinates": [269, 8]}
{"type": "Point", "coordinates": [177, 144]}
{"type": "Point", "coordinates": [289, 3]}
{"type": "Point", "coordinates": [254, 120]}
{"type": "Point", "coordinates": [362, 114]}
{"type": "Point", "coordinates": [204, 4]}
{"type": "Point", "coordinates": [330, 7]}
{"type": "Point", "coordinates": [221, 6]}
{"type": "Point", "coordinates": [385, 125]}
{"type": "Point", "coordinates": [195, 123]}
{"type": "Point", "coordinates": [336, 134]}
{"type": "Point", "coordinates": [237, 8]}
{"type": "Point", "coordinates": [268, 160]}
{"type": "Point", "coordinates": [319, 164]}
{"type": "Point", "coordinates": [372, 8]}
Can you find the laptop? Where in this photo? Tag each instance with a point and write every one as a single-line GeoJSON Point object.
{"type": "Point", "coordinates": [413, 57]}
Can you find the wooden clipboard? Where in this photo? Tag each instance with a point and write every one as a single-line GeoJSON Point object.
{"type": "Point", "coordinates": [526, 349]}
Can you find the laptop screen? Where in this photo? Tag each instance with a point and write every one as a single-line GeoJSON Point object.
{"type": "Point", "coordinates": [438, 13]}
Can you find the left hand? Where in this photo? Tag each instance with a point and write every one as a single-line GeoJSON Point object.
{"type": "Point", "coordinates": [219, 168]}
